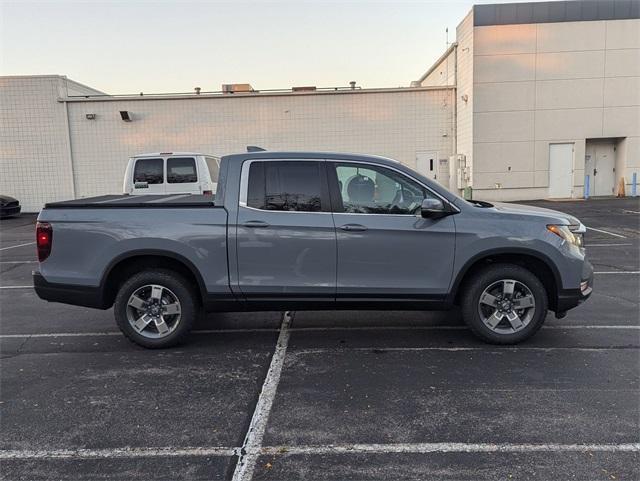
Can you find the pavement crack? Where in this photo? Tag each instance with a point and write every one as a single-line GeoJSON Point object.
{"type": "Point", "coordinates": [19, 350]}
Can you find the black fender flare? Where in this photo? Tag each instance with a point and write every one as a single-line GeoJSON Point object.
{"type": "Point", "coordinates": [504, 251]}
{"type": "Point", "coordinates": [152, 252]}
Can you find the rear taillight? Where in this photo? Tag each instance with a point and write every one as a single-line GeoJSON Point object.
{"type": "Point", "coordinates": [44, 240]}
{"type": "Point", "coordinates": [207, 192]}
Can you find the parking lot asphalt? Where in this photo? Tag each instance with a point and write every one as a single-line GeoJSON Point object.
{"type": "Point", "coordinates": [361, 395]}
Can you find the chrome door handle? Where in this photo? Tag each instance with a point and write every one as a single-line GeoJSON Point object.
{"type": "Point", "coordinates": [255, 224]}
{"type": "Point", "coordinates": [353, 227]}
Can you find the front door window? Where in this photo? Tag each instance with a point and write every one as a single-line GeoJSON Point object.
{"type": "Point", "coordinates": [374, 190]}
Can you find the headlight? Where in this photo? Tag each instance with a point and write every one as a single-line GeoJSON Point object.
{"type": "Point", "coordinates": [570, 233]}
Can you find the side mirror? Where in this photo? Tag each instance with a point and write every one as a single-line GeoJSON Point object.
{"type": "Point", "coordinates": [433, 208]}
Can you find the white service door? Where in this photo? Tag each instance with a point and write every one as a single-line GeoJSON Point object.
{"type": "Point", "coordinates": [604, 174]}
{"type": "Point", "coordinates": [560, 170]}
{"type": "Point", "coordinates": [427, 164]}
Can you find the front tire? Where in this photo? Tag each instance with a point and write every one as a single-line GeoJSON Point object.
{"type": "Point", "coordinates": [156, 308]}
{"type": "Point", "coordinates": [504, 304]}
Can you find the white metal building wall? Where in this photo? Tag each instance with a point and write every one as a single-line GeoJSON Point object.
{"type": "Point", "coordinates": [395, 123]}
{"type": "Point", "coordinates": [50, 151]}
{"type": "Point", "coordinates": [35, 163]}
{"type": "Point", "coordinates": [539, 84]}
{"type": "Point", "coordinates": [34, 154]}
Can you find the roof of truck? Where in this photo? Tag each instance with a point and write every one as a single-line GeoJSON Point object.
{"type": "Point", "coordinates": [340, 156]}
{"type": "Point", "coordinates": [311, 155]}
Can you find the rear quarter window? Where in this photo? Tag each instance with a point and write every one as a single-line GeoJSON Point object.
{"type": "Point", "coordinates": [213, 165]}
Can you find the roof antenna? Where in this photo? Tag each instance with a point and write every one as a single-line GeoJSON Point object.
{"type": "Point", "coordinates": [255, 148]}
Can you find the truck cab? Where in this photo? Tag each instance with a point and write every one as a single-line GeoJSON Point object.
{"type": "Point", "coordinates": [171, 173]}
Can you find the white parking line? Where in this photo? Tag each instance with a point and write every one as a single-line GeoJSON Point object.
{"type": "Point", "coordinates": [449, 448]}
{"type": "Point", "coordinates": [420, 448]}
{"type": "Point", "coordinates": [18, 262]}
{"type": "Point", "coordinates": [16, 287]}
{"type": "Point", "coordinates": [591, 327]}
{"type": "Point", "coordinates": [115, 453]}
{"type": "Point", "coordinates": [488, 349]}
{"type": "Point", "coordinates": [19, 245]}
{"type": "Point", "coordinates": [118, 333]}
{"type": "Point", "coordinates": [607, 232]}
{"type": "Point", "coordinates": [617, 272]}
{"type": "Point", "coordinates": [606, 245]}
{"type": "Point", "coordinates": [313, 329]}
{"type": "Point", "coordinates": [631, 211]}
{"type": "Point", "coordinates": [252, 444]}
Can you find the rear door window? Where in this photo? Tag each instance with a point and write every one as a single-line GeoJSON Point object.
{"type": "Point", "coordinates": [285, 186]}
{"type": "Point", "coordinates": [181, 170]}
{"type": "Point", "coordinates": [149, 171]}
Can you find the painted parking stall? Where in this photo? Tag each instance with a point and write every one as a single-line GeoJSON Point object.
{"type": "Point", "coordinates": [321, 395]}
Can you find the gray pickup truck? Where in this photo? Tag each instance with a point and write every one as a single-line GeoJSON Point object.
{"type": "Point", "coordinates": [302, 230]}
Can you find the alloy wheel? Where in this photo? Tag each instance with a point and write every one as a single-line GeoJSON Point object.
{"type": "Point", "coordinates": [153, 311]}
{"type": "Point", "coordinates": [506, 306]}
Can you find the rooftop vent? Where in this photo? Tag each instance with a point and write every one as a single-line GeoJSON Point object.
{"type": "Point", "coordinates": [236, 88]}
{"type": "Point", "coordinates": [308, 88]}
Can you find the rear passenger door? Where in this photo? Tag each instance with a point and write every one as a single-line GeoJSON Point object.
{"type": "Point", "coordinates": [286, 242]}
{"type": "Point", "coordinates": [182, 176]}
{"type": "Point", "coordinates": [148, 176]}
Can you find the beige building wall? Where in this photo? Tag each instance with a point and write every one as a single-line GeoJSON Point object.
{"type": "Point", "coordinates": [35, 162]}
{"type": "Point", "coordinates": [465, 96]}
{"type": "Point", "coordinates": [443, 72]}
{"type": "Point", "coordinates": [50, 150]}
{"type": "Point", "coordinates": [538, 84]}
{"type": "Point", "coordinates": [394, 123]}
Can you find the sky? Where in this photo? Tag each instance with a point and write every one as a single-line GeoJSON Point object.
{"type": "Point", "coordinates": [172, 46]}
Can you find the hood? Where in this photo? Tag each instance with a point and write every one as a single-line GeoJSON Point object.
{"type": "Point", "coordinates": [535, 211]}
{"type": "Point", "coordinates": [5, 199]}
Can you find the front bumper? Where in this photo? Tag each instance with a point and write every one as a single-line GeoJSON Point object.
{"type": "Point", "coordinates": [67, 293]}
{"type": "Point", "coordinates": [570, 298]}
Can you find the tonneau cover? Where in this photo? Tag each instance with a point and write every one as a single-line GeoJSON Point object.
{"type": "Point", "coordinates": [135, 201]}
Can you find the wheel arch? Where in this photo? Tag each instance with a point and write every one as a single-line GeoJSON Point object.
{"type": "Point", "coordinates": [125, 265]}
{"type": "Point", "coordinates": [535, 262]}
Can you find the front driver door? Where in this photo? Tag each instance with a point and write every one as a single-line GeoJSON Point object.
{"type": "Point", "coordinates": [286, 242]}
{"type": "Point", "coordinates": [386, 249]}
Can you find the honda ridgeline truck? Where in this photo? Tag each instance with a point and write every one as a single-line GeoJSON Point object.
{"type": "Point", "coordinates": [307, 230]}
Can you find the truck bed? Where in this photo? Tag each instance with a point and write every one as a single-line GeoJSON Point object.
{"type": "Point", "coordinates": [135, 201]}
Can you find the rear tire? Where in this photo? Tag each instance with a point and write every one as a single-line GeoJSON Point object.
{"type": "Point", "coordinates": [156, 308]}
{"type": "Point", "coordinates": [504, 304]}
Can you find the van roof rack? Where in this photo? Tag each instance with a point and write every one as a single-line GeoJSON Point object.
{"type": "Point", "coordinates": [255, 148]}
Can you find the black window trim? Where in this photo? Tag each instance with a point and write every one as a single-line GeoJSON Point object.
{"type": "Point", "coordinates": [336, 195]}
{"type": "Point", "coordinates": [325, 197]}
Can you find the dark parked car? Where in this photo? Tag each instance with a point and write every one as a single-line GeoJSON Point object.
{"type": "Point", "coordinates": [9, 206]}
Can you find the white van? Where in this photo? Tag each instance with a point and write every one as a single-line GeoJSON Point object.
{"type": "Point", "coordinates": [171, 173]}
